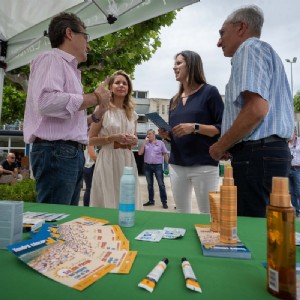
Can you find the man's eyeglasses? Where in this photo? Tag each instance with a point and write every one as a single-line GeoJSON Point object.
{"type": "Point", "coordinates": [86, 35]}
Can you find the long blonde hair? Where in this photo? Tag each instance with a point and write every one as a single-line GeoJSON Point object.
{"type": "Point", "coordinates": [128, 103]}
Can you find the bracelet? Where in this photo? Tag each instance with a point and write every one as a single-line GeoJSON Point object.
{"type": "Point", "coordinates": [98, 98]}
{"type": "Point", "coordinates": [107, 140]}
{"type": "Point", "coordinates": [96, 120]}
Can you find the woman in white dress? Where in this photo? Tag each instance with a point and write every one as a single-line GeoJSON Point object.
{"type": "Point", "coordinates": [116, 133]}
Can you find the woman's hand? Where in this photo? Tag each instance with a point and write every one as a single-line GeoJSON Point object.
{"type": "Point", "coordinates": [163, 133]}
{"type": "Point", "coordinates": [131, 139]}
{"type": "Point", "coordinates": [183, 129]}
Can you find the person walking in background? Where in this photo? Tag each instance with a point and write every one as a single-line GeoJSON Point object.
{"type": "Point", "coordinates": [55, 115]}
{"type": "Point", "coordinates": [294, 175]}
{"type": "Point", "coordinates": [195, 116]}
{"type": "Point", "coordinates": [259, 113]}
{"type": "Point", "coordinates": [116, 133]}
{"type": "Point", "coordinates": [90, 155]}
{"type": "Point", "coordinates": [155, 153]}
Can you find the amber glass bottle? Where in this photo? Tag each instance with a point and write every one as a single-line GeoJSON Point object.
{"type": "Point", "coordinates": [281, 248]}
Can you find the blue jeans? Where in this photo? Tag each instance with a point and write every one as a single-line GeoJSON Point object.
{"type": "Point", "coordinates": [57, 168]}
{"type": "Point", "coordinates": [157, 170]}
{"type": "Point", "coordinates": [88, 178]}
{"type": "Point", "coordinates": [253, 169]}
{"type": "Point", "coordinates": [294, 179]}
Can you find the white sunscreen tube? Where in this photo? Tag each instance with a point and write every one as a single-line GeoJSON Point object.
{"type": "Point", "coordinates": [152, 278]}
{"type": "Point", "coordinates": [189, 275]}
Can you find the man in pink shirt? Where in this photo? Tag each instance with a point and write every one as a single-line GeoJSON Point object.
{"type": "Point", "coordinates": [55, 115]}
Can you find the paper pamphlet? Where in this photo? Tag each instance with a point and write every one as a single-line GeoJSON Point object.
{"type": "Point", "coordinates": [211, 245]}
{"type": "Point", "coordinates": [77, 253]}
{"type": "Point", "coordinates": [158, 121]}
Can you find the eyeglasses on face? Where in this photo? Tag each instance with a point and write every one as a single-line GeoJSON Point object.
{"type": "Point", "coordinates": [86, 35]}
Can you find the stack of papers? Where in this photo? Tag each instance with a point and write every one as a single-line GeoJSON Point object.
{"type": "Point", "coordinates": [77, 253]}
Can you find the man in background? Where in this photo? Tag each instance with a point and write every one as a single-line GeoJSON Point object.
{"type": "Point", "coordinates": [9, 169]}
{"type": "Point", "coordinates": [55, 114]}
{"type": "Point", "coordinates": [259, 113]}
{"type": "Point", "coordinates": [155, 152]}
{"type": "Point", "coordinates": [294, 175]}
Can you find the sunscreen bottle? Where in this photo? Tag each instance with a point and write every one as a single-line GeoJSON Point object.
{"type": "Point", "coordinates": [281, 246]}
{"type": "Point", "coordinates": [190, 277]}
{"type": "Point", "coordinates": [228, 211]}
{"type": "Point", "coordinates": [127, 198]}
{"type": "Point", "coordinates": [152, 278]}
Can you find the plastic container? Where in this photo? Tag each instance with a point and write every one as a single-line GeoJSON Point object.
{"type": "Point", "coordinates": [127, 198]}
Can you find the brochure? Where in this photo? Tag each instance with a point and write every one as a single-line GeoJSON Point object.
{"type": "Point", "coordinates": [77, 253]}
{"type": "Point", "coordinates": [211, 245]}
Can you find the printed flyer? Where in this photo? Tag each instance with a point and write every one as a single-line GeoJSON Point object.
{"type": "Point", "coordinates": [77, 253]}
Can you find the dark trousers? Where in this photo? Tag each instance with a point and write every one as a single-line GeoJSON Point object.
{"type": "Point", "coordinates": [157, 170]}
{"type": "Point", "coordinates": [294, 177]}
{"type": "Point", "coordinates": [254, 165]}
{"type": "Point", "coordinates": [88, 178]}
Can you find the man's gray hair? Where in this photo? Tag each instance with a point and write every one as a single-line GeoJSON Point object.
{"type": "Point", "coordinates": [151, 130]}
{"type": "Point", "coordinates": [252, 15]}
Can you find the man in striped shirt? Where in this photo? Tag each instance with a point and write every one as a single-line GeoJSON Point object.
{"type": "Point", "coordinates": [55, 115]}
{"type": "Point", "coordinates": [258, 116]}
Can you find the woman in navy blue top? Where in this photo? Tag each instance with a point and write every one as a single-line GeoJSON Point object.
{"type": "Point", "coordinates": [195, 116]}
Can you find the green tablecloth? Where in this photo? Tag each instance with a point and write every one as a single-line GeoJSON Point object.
{"type": "Point", "coordinates": [220, 278]}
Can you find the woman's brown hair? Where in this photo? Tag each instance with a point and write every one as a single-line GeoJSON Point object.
{"type": "Point", "coordinates": [194, 70]}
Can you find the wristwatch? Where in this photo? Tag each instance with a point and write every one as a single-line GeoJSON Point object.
{"type": "Point", "coordinates": [96, 120]}
{"type": "Point", "coordinates": [196, 128]}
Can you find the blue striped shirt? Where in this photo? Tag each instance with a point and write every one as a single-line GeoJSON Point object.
{"type": "Point", "coordinates": [257, 68]}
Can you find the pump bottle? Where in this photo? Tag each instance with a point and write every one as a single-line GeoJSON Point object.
{"type": "Point", "coordinates": [281, 248]}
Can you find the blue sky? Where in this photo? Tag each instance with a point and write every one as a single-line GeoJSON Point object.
{"type": "Point", "coordinates": [197, 28]}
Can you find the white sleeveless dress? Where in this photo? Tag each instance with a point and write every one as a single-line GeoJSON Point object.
{"type": "Point", "coordinates": [110, 162]}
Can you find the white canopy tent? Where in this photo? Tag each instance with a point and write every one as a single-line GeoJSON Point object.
{"type": "Point", "coordinates": [23, 23]}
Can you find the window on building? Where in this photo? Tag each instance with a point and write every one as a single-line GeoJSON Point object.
{"type": "Point", "coordinates": [163, 109]}
{"type": "Point", "coordinates": [157, 108]}
{"type": "Point", "coordinates": [140, 94]}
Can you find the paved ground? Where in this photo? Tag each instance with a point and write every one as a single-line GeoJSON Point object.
{"type": "Point", "coordinates": [158, 204]}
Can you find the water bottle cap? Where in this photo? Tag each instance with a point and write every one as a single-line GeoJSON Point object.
{"type": "Point", "coordinates": [128, 170]}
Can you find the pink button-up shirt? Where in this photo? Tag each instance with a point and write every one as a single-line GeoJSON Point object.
{"type": "Point", "coordinates": [54, 96]}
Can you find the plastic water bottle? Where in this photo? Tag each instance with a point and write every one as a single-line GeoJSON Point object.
{"type": "Point", "coordinates": [127, 198]}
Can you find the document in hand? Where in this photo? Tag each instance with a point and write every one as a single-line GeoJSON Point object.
{"type": "Point", "coordinates": [159, 121]}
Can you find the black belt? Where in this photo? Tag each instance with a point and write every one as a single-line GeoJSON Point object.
{"type": "Point", "coordinates": [269, 139]}
{"type": "Point", "coordinates": [295, 167]}
{"type": "Point", "coordinates": [261, 142]}
{"type": "Point", "coordinates": [77, 145]}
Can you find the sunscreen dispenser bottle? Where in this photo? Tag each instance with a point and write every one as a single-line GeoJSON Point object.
{"type": "Point", "coordinates": [281, 247]}
{"type": "Point", "coordinates": [228, 208]}
{"type": "Point", "coordinates": [127, 198]}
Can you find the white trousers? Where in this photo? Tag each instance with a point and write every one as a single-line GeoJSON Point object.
{"type": "Point", "coordinates": [203, 179]}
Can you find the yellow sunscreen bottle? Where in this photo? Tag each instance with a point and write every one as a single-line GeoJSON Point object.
{"type": "Point", "coordinates": [189, 275]}
{"type": "Point", "coordinates": [152, 278]}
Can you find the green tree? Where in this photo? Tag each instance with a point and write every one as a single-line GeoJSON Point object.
{"type": "Point", "coordinates": [297, 101]}
{"type": "Point", "coordinates": [124, 49]}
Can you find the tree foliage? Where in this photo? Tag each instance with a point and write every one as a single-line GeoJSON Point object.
{"type": "Point", "coordinates": [297, 101]}
{"type": "Point", "coordinates": [124, 49]}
